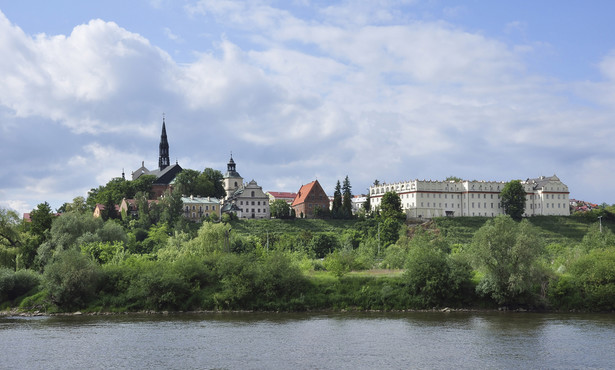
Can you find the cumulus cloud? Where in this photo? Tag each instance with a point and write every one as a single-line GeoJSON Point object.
{"type": "Point", "coordinates": [372, 94]}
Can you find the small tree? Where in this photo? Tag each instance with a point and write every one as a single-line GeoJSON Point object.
{"type": "Point", "coordinates": [280, 209]}
{"type": "Point", "coordinates": [513, 199]}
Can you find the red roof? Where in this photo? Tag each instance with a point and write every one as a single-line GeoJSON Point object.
{"type": "Point", "coordinates": [304, 191]}
{"type": "Point", "coordinates": [282, 194]}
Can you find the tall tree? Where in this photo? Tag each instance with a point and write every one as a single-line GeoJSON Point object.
{"type": "Point", "coordinates": [507, 253]}
{"type": "Point", "coordinates": [9, 234]}
{"type": "Point", "coordinates": [336, 207]}
{"type": "Point", "coordinates": [347, 198]}
{"type": "Point", "coordinates": [368, 203]}
{"type": "Point", "coordinates": [391, 206]}
{"type": "Point", "coordinates": [41, 218]}
{"type": "Point", "coordinates": [512, 199]}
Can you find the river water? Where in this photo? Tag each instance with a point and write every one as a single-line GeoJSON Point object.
{"type": "Point", "coordinates": [419, 340]}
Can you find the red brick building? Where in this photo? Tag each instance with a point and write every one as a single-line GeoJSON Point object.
{"type": "Point", "coordinates": [310, 197]}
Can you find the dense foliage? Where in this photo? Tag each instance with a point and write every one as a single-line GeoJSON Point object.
{"type": "Point", "coordinates": [512, 199]}
{"type": "Point", "coordinates": [159, 262]}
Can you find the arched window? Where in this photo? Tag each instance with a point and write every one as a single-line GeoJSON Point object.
{"type": "Point", "coordinates": [252, 194]}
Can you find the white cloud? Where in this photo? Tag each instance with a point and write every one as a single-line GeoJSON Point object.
{"type": "Point", "coordinates": [373, 96]}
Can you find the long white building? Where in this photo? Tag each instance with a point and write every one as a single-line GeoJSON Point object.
{"type": "Point", "coordinates": [426, 198]}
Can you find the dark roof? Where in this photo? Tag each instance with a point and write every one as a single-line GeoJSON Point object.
{"type": "Point", "coordinates": [167, 175]}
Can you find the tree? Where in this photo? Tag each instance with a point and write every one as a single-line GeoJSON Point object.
{"type": "Point", "coordinates": [336, 207]}
{"type": "Point", "coordinates": [390, 207]}
{"type": "Point", "coordinates": [41, 220]}
{"type": "Point", "coordinates": [9, 235]}
{"type": "Point", "coordinates": [346, 199]}
{"type": "Point", "coordinates": [368, 203]}
{"type": "Point", "coordinates": [216, 178]}
{"type": "Point", "coordinates": [454, 179]}
{"type": "Point", "coordinates": [280, 209]}
{"type": "Point", "coordinates": [506, 253]}
{"type": "Point", "coordinates": [109, 212]}
{"type": "Point", "coordinates": [71, 279]}
{"type": "Point", "coordinates": [513, 199]}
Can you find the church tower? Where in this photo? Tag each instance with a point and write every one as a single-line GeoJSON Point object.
{"type": "Point", "coordinates": [163, 160]}
{"type": "Point", "coordinates": [232, 180]}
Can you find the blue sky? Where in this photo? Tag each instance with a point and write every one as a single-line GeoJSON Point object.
{"type": "Point", "coordinates": [298, 90]}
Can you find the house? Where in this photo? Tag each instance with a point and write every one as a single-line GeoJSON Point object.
{"type": "Point", "coordinates": [195, 208]}
{"type": "Point", "coordinates": [426, 198]}
{"type": "Point", "coordinates": [285, 196]}
{"type": "Point", "coordinates": [130, 207]}
{"type": "Point", "coordinates": [98, 210]}
{"type": "Point", "coordinates": [166, 172]}
{"type": "Point", "coordinates": [357, 203]}
{"type": "Point", "coordinates": [244, 200]}
{"type": "Point", "coordinates": [309, 198]}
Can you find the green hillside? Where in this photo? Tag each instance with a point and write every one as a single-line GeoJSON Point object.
{"type": "Point", "coordinates": [555, 229]}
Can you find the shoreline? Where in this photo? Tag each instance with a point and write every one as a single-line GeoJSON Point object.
{"type": "Point", "coordinates": [20, 313]}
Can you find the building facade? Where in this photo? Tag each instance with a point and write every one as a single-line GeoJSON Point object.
{"type": "Point", "coordinates": [283, 195]}
{"type": "Point", "coordinates": [196, 208]}
{"type": "Point", "coordinates": [309, 198]}
{"type": "Point", "coordinates": [245, 200]}
{"type": "Point", "coordinates": [426, 199]}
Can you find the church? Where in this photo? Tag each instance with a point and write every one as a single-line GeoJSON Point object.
{"type": "Point", "coordinates": [246, 200]}
{"type": "Point", "coordinates": [166, 172]}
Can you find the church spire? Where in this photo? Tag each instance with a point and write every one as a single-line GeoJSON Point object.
{"type": "Point", "coordinates": [163, 160]}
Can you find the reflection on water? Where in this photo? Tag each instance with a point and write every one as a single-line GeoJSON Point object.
{"type": "Point", "coordinates": [314, 341]}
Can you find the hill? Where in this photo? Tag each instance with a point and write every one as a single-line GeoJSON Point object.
{"type": "Point", "coordinates": [457, 230]}
{"type": "Point", "coordinates": [555, 229]}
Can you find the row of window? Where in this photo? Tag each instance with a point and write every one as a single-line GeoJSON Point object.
{"type": "Point", "coordinates": [213, 208]}
{"type": "Point", "coordinates": [258, 203]}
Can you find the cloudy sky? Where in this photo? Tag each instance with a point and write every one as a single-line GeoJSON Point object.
{"type": "Point", "coordinates": [300, 90]}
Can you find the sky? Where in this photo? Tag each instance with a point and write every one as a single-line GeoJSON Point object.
{"type": "Point", "coordinates": [299, 90]}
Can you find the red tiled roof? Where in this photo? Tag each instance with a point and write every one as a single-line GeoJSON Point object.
{"type": "Point", "coordinates": [282, 194]}
{"type": "Point", "coordinates": [303, 193]}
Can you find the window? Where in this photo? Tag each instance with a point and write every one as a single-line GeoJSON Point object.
{"type": "Point", "coordinates": [252, 195]}
{"type": "Point", "coordinates": [207, 208]}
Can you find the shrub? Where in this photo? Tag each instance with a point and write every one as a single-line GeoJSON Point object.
{"type": "Point", "coordinates": [71, 279]}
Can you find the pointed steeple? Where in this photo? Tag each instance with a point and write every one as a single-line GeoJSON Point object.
{"type": "Point", "coordinates": [163, 160]}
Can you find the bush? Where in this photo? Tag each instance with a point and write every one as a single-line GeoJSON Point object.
{"type": "Point", "coordinates": [15, 284]}
{"type": "Point", "coordinates": [71, 279]}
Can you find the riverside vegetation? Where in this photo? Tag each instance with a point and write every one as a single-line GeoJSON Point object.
{"type": "Point", "coordinates": [77, 262]}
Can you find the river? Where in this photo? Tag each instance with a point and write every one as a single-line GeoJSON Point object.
{"type": "Point", "coordinates": [418, 340]}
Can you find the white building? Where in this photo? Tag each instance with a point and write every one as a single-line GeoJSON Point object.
{"type": "Point", "coordinates": [195, 208]}
{"type": "Point", "coordinates": [545, 196]}
{"type": "Point", "coordinates": [245, 200]}
{"type": "Point", "coordinates": [357, 203]}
